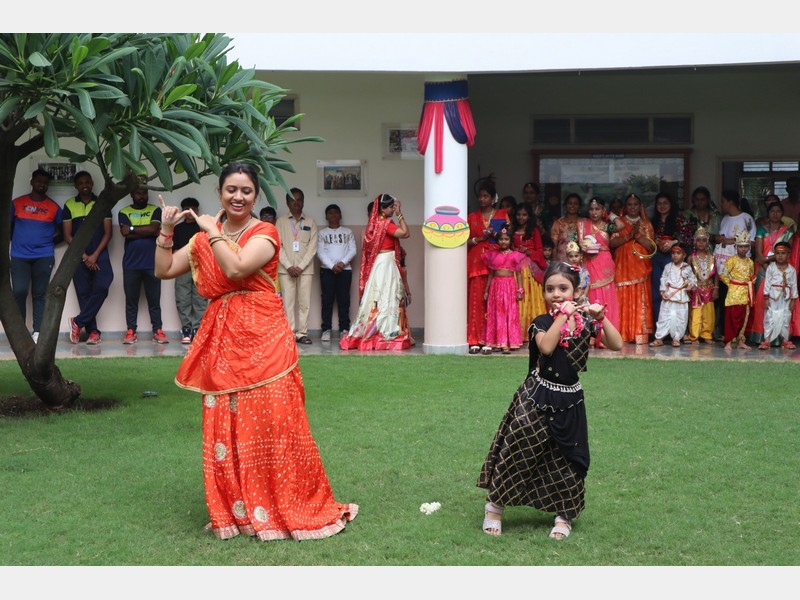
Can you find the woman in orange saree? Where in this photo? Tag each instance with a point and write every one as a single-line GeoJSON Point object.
{"type": "Point", "coordinates": [633, 246]}
{"type": "Point", "coordinates": [262, 471]}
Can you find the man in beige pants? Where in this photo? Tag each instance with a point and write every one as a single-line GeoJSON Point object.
{"type": "Point", "coordinates": [298, 233]}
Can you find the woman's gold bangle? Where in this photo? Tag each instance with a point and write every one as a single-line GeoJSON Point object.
{"type": "Point", "coordinates": [214, 237]}
{"type": "Point", "coordinates": [212, 241]}
{"type": "Point", "coordinates": [163, 246]}
{"type": "Point", "coordinates": [639, 254]}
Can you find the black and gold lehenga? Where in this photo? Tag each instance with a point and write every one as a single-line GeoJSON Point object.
{"type": "Point", "coordinates": [540, 454]}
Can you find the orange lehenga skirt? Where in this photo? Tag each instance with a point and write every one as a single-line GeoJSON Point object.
{"type": "Point", "coordinates": [262, 470]}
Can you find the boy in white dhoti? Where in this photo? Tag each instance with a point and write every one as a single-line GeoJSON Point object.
{"type": "Point", "coordinates": [780, 298]}
{"type": "Point", "coordinates": [676, 281]}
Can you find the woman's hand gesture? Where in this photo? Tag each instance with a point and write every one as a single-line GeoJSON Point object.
{"type": "Point", "coordinates": [170, 215]}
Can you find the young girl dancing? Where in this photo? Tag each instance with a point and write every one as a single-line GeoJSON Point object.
{"type": "Point", "coordinates": [540, 453]}
{"type": "Point", "coordinates": [504, 291]}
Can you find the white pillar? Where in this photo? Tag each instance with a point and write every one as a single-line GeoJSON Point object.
{"type": "Point", "coordinates": [446, 268]}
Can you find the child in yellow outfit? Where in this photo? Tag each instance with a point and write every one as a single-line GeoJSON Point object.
{"type": "Point", "coordinates": [701, 307]}
{"type": "Point", "coordinates": [738, 274]}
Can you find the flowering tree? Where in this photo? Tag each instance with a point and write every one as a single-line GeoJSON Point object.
{"type": "Point", "coordinates": [167, 109]}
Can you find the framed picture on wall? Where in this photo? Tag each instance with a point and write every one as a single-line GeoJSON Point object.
{"type": "Point", "coordinates": [61, 171]}
{"type": "Point", "coordinates": [342, 177]}
{"type": "Point", "coordinates": [400, 142]}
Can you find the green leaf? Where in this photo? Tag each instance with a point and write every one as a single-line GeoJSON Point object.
{"type": "Point", "coordinates": [102, 91]}
{"type": "Point", "coordinates": [188, 164]}
{"type": "Point", "coordinates": [89, 135]}
{"type": "Point", "coordinates": [35, 109]}
{"type": "Point", "coordinates": [179, 92]}
{"type": "Point", "coordinates": [37, 59]}
{"type": "Point", "coordinates": [78, 54]}
{"type": "Point", "coordinates": [8, 106]}
{"type": "Point", "coordinates": [197, 137]}
{"type": "Point", "coordinates": [137, 167]}
{"type": "Point", "coordinates": [155, 110]}
{"type": "Point", "coordinates": [87, 107]}
{"type": "Point", "coordinates": [51, 145]}
{"type": "Point", "coordinates": [156, 158]}
{"type": "Point", "coordinates": [110, 57]}
{"type": "Point", "coordinates": [134, 144]}
{"type": "Point", "coordinates": [190, 115]}
{"type": "Point", "coordinates": [195, 50]}
{"type": "Point", "coordinates": [175, 140]}
{"type": "Point", "coordinates": [117, 160]}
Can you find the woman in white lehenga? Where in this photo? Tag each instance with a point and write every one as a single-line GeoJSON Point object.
{"type": "Point", "coordinates": [379, 324]}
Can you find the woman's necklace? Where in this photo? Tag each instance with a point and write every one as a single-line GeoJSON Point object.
{"type": "Point", "coordinates": [235, 235]}
{"type": "Point", "coordinates": [487, 222]}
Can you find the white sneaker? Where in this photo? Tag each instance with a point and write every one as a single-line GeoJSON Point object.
{"type": "Point", "coordinates": [326, 336]}
{"type": "Point", "coordinates": [35, 337]}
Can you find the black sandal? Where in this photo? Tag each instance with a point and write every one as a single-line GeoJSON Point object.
{"type": "Point", "coordinates": [304, 340]}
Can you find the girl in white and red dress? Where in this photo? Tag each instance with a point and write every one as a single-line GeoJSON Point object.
{"type": "Point", "coordinates": [503, 293]}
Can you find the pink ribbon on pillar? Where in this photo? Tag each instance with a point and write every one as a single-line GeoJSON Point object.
{"type": "Point", "coordinates": [445, 101]}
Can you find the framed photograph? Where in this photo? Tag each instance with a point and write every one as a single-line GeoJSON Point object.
{"type": "Point", "coordinates": [342, 177]}
{"type": "Point", "coordinates": [400, 142]}
{"type": "Point", "coordinates": [61, 171]}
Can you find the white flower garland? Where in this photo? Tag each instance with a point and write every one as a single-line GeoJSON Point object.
{"type": "Point", "coordinates": [430, 507]}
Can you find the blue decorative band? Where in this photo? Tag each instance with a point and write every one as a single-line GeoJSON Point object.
{"type": "Point", "coordinates": [446, 91]}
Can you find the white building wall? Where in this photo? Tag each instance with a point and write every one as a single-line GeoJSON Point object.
{"type": "Point", "coordinates": [747, 112]}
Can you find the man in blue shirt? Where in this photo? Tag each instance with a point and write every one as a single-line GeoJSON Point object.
{"type": "Point", "coordinates": [35, 230]}
{"type": "Point", "coordinates": [140, 224]}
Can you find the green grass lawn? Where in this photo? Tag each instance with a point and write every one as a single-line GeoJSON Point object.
{"type": "Point", "coordinates": [693, 464]}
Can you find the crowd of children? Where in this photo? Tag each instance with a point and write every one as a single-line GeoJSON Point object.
{"type": "Point", "coordinates": [731, 285]}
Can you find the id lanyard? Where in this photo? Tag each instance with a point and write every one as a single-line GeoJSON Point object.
{"type": "Point", "coordinates": [295, 232]}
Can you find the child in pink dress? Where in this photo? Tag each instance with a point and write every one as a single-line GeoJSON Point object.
{"type": "Point", "coordinates": [503, 293]}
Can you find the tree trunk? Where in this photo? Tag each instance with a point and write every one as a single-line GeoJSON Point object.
{"type": "Point", "coordinates": [37, 361]}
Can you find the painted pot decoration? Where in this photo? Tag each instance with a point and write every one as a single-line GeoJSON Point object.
{"type": "Point", "coordinates": [445, 228]}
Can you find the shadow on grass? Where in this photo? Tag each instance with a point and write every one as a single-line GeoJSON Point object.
{"type": "Point", "coordinates": [31, 406]}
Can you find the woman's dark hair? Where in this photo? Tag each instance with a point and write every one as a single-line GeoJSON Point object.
{"type": "Point", "coordinates": [386, 200]}
{"type": "Point", "coordinates": [534, 186]}
{"type": "Point", "coordinates": [487, 186]}
{"type": "Point", "coordinates": [738, 201]}
{"type": "Point", "coordinates": [240, 167]}
{"type": "Point", "coordinates": [567, 270]}
{"type": "Point", "coordinates": [705, 192]}
{"type": "Point", "coordinates": [530, 226]}
{"type": "Point", "coordinates": [510, 199]}
{"type": "Point", "coordinates": [597, 200]}
{"type": "Point", "coordinates": [771, 205]}
{"type": "Point", "coordinates": [671, 221]}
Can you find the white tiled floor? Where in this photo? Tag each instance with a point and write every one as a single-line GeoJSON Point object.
{"type": "Point", "coordinates": [112, 346]}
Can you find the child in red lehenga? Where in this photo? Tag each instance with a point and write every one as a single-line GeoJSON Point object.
{"type": "Point", "coordinates": [503, 293]}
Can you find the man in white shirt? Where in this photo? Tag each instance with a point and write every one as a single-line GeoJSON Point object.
{"type": "Point", "coordinates": [336, 249]}
{"type": "Point", "coordinates": [298, 233]}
